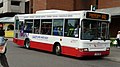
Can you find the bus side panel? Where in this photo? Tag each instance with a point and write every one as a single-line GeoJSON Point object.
{"type": "Point", "coordinates": [69, 51]}
{"type": "Point", "coordinates": [41, 46]}
{"type": "Point", "coordinates": [18, 41]}
{"type": "Point", "coordinates": [14, 40]}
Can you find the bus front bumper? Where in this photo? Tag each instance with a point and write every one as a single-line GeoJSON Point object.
{"type": "Point", "coordinates": [93, 53]}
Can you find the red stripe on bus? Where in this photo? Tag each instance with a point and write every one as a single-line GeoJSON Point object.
{"type": "Point", "coordinates": [102, 53]}
{"type": "Point", "coordinates": [77, 53]}
{"type": "Point", "coordinates": [18, 41]}
{"type": "Point", "coordinates": [65, 50]}
{"type": "Point", "coordinates": [41, 46]}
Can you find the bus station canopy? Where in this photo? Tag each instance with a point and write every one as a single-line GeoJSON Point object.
{"type": "Point", "coordinates": [7, 19]}
{"type": "Point", "coordinates": [113, 11]}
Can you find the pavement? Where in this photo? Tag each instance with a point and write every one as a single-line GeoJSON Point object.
{"type": "Point", "coordinates": [10, 39]}
{"type": "Point", "coordinates": [114, 53]}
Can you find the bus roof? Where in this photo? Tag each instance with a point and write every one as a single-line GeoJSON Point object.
{"type": "Point", "coordinates": [49, 14]}
{"type": "Point", "coordinates": [42, 12]}
{"type": "Point", "coordinates": [50, 11]}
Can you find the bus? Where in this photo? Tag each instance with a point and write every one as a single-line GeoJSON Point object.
{"type": "Point", "coordinates": [72, 33]}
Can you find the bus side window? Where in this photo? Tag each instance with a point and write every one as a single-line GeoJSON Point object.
{"type": "Point", "coordinates": [70, 27]}
{"type": "Point", "coordinates": [58, 27]}
{"type": "Point", "coordinates": [36, 26]}
{"type": "Point", "coordinates": [57, 31]}
{"type": "Point", "coordinates": [46, 26]}
{"type": "Point", "coordinates": [48, 29]}
{"type": "Point", "coordinates": [28, 26]}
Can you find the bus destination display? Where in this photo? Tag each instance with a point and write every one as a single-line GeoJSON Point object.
{"type": "Point", "coordinates": [97, 16]}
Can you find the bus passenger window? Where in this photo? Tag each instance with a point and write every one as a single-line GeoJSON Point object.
{"type": "Point", "coordinates": [71, 27]}
{"type": "Point", "coordinates": [28, 26]}
{"type": "Point", "coordinates": [58, 27]}
{"type": "Point", "coordinates": [46, 26]}
{"type": "Point", "coordinates": [36, 26]}
{"type": "Point", "coordinates": [76, 30]}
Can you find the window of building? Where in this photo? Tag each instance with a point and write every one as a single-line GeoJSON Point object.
{"type": "Point", "coordinates": [17, 3]}
{"type": "Point", "coordinates": [1, 4]}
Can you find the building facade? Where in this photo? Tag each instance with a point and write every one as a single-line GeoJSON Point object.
{"type": "Point", "coordinates": [16, 6]}
{"type": "Point", "coordinates": [9, 8]}
{"type": "Point", "coordinates": [36, 5]}
{"type": "Point", "coordinates": [112, 7]}
{"type": "Point", "coordinates": [109, 6]}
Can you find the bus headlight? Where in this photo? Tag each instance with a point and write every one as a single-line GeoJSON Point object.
{"type": "Point", "coordinates": [83, 49]}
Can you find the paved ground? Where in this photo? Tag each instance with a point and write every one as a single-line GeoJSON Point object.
{"type": "Point", "coordinates": [114, 53]}
{"type": "Point", "coordinates": [10, 39]}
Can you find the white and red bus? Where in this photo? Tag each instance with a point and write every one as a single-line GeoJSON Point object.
{"type": "Point", "coordinates": [73, 33]}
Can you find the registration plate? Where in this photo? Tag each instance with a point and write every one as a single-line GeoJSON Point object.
{"type": "Point", "coordinates": [97, 54]}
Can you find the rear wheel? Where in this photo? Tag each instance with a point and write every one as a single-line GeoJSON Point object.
{"type": "Point", "coordinates": [27, 44]}
{"type": "Point", "coordinates": [57, 49]}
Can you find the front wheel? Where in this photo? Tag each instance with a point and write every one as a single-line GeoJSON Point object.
{"type": "Point", "coordinates": [58, 50]}
{"type": "Point", "coordinates": [27, 44]}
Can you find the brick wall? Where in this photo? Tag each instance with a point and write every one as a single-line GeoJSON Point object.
{"type": "Point", "coordinates": [115, 20]}
{"type": "Point", "coordinates": [108, 3]}
{"type": "Point", "coordinates": [39, 5]}
{"type": "Point", "coordinates": [114, 26]}
{"type": "Point", "coordinates": [84, 4]}
{"type": "Point", "coordinates": [60, 4]}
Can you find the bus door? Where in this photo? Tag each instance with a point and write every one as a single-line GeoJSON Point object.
{"type": "Point", "coordinates": [21, 28]}
{"type": "Point", "coordinates": [18, 25]}
{"type": "Point", "coordinates": [18, 29]}
{"type": "Point", "coordinates": [26, 28]}
{"type": "Point", "coordinates": [104, 30]}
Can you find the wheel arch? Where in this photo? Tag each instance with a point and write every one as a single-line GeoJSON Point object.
{"type": "Point", "coordinates": [26, 39]}
{"type": "Point", "coordinates": [55, 44]}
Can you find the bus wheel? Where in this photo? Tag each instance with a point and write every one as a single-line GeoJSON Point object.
{"type": "Point", "coordinates": [58, 49]}
{"type": "Point", "coordinates": [27, 44]}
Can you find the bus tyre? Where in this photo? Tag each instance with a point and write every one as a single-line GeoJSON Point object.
{"type": "Point", "coordinates": [27, 44]}
{"type": "Point", "coordinates": [58, 50]}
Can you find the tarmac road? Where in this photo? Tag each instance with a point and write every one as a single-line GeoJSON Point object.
{"type": "Point", "coordinates": [21, 57]}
